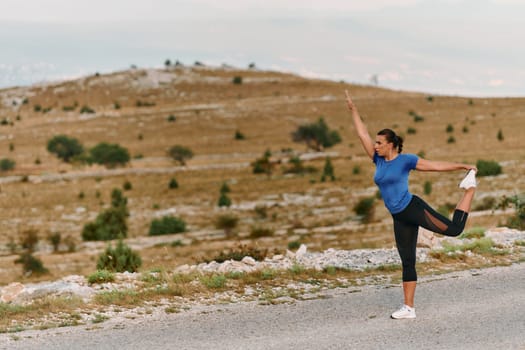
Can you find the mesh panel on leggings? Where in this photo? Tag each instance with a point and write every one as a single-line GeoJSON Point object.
{"type": "Point", "coordinates": [434, 223]}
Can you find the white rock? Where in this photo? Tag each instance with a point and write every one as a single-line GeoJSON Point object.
{"type": "Point", "coordinates": [301, 251]}
{"type": "Point", "coordinates": [248, 260]}
{"type": "Point", "coordinates": [11, 292]}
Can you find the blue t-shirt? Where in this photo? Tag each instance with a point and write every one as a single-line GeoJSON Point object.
{"type": "Point", "coordinates": [392, 179]}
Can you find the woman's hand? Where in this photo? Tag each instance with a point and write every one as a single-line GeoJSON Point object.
{"type": "Point", "coordinates": [471, 167]}
{"type": "Point", "coordinates": [350, 103]}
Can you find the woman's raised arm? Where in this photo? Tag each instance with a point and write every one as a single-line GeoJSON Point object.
{"type": "Point", "coordinates": [361, 129]}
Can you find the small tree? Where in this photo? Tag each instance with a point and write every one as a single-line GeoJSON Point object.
{"type": "Point", "coordinates": [111, 223]}
{"type": "Point", "coordinates": [328, 170]}
{"type": "Point", "coordinates": [316, 135]}
{"type": "Point", "coordinates": [55, 238]}
{"type": "Point", "coordinates": [225, 188]}
{"type": "Point", "coordinates": [500, 135]}
{"type": "Point", "coordinates": [173, 183]}
{"type": "Point", "coordinates": [488, 168]}
{"type": "Point", "coordinates": [226, 222]}
{"type": "Point", "coordinates": [119, 259]}
{"type": "Point", "coordinates": [427, 187]}
{"type": "Point", "coordinates": [239, 135]}
{"type": "Point", "coordinates": [65, 147]}
{"type": "Point", "coordinates": [224, 200]}
{"type": "Point", "coordinates": [237, 80]}
{"type": "Point", "coordinates": [180, 153]}
{"type": "Point", "coordinates": [365, 209]}
{"type": "Point", "coordinates": [31, 265]}
{"type": "Point", "coordinates": [109, 155]}
{"type": "Point", "coordinates": [263, 164]}
{"type": "Point", "coordinates": [7, 164]}
{"type": "Point", "coordinates": [166, 225]}
{"type": "Point", "coordinates": [516, 221]}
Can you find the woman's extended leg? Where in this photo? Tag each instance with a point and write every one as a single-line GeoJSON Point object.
{"type": "Point", "coordinates": [466, 201]}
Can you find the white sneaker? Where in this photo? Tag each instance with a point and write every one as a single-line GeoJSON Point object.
{"type": "Point", "coordinates": [469, 181]}
{"type": "Point", "coordinates": [405, 312]}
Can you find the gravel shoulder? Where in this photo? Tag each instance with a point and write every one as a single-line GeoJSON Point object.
{"type": "Point", "coordinates": [473, 309]}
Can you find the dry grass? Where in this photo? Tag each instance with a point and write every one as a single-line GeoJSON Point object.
{"type": "Point", "coordinates": [266, 108]}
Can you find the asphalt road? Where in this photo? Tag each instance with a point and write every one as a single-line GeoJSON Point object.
{"type": "Point", "coordinates": [481, 309]}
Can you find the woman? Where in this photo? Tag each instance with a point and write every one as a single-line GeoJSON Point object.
{"type": "Point", "coordinates": [409, 211]}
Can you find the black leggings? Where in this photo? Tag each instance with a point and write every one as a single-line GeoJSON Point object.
{"type": "Point", "coordinates": [406, 224]}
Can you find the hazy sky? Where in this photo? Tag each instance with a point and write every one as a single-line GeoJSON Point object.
{"type": "Point", "coordinates": [459, 47]}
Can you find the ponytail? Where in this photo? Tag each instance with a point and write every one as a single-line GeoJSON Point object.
{"type": "Point", "coordinates": [391, 137]}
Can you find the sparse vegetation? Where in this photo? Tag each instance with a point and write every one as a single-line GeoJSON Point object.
{"type": "Point", "coordinates": [109, 155]}
{"type": "Point", "coordinates": [328, 171]}
{"type": "Point", "coordinates": [101, 276]}
{"type": "Point", "coordinates": [167, 225]}
{"type": "Point", "coordinates": [317, 136]}
{"type": "Point", "coordinates": [518, 219]}
{"type": "Point", "coordinates": [226, 222]}
{"type": "Point", "coordinates": [119, 259]}
{"type": "Point", "coordinates": [65, 147]}
{"type": "Point", "coordinates": [7, 164]}
{"type": "Point", "coordinates": [365, 209]}
{"type": "Point", "coordinates": [110, 223]}
{"type": "Point", "coordinates": [488, 168]}
{"type": "Point", "coordinates": [173, 183]}
{"type": "Point", "coordinates": [180, 154]}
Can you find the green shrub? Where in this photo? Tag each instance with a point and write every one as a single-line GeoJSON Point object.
{"type": "Point", "coordinates": [7, 164]}
{"type": "Point", "coordinates": [316, 135]}
{"type": "Point", "coordinates": [500, 135]}
{"type": "Point", "coordinates": [224, 200]}
{"type": "Point", "coordinates": [328, 171]}
{"type": "Point", "coordinates": [365, 209]}
{"type": "Point", "coordinates": [239, 135]}
{"type": "Point", "coordinates": [101, 276]}
{"type": "Point", "coordinates": [166, 225]}
{"type": "Point", "coordinates": [411, 130]}
{"type": "Point", "coordinates": [109, 155]}
{"type": "Point", "coordinates": [119, 259]}
{"type": "Point", "coordinates": [180, 154]}
{"type": "Point", "coordinates": [474, 232]}
{"type": "Point", "coordinates": [86, 110]}
{"type": "Point", "coordinates": [517, 220]}
{"type": "Point", "coordinates": [451, 139]}
{"type": "Point", "coordinates": [488, 168]}
{"type": "Point", "coordinates": [225, 188]}
{"type": "Point", "coordinates": [29, 240]}
{"type": "Point", "coordinates": [427, 187]}
{"type": "Point", "coordinates": [214, 281]}
{"type": "Point", "coordinates": [263, 164]}
{"type": "Point", "coordinates": [226, 222]}
{"type": "Point", "coordinates": [449, 128]}
{"type": "Point", "coordinates": [240, 252]}
{"type": "Point", "coordinates": [259, 231]}
{"type": "Point", "coordinates": [237, 80]}
{"type": "Point", "coordinates": [65, 147]}
{"type": "Point", "coordinates": [109, 224]}
{"type": "Point", "coordinates": [173, 183]}
{"type": "Point", "coordinates": [127, 186]}
{"type": "Point", "coordinates": [356, 170]}
{"type": "Point", "coordinates": [31, 264]}
{"type": "Point", "coordinates": [55, 238]}
{"type": "Point", "coordinates": [171, 118]}
{"type": "Point", "coordinates": [294, 245]}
